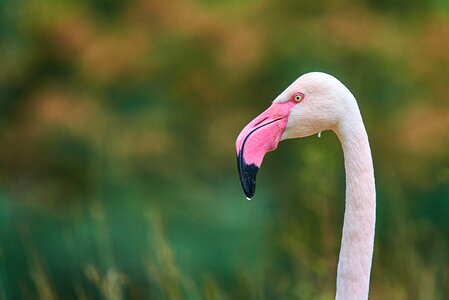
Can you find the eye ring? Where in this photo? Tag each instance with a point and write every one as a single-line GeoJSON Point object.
{"type": "Point", "coordinates": [298, 97]}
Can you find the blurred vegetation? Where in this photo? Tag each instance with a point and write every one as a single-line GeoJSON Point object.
{"type": "Point", "coordinates": [117, 166]}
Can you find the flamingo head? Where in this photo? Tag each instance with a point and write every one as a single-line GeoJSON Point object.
{"type": "Point", "coordinates": [313, 103]}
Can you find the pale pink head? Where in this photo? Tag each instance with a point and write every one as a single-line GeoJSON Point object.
{"type": "Point", "coordinates": [313, 103]}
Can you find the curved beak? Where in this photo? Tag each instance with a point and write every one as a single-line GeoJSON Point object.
{"type": "Point", "coordinates": [260, 136]}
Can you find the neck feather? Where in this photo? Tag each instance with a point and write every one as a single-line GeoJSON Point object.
{"type": "Point", "coordinates": [354, 264]}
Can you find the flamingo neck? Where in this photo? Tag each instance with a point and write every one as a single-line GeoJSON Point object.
{"type": "Point", "coordinates": [354, 264]}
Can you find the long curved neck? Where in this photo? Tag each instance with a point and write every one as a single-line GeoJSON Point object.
{"type": "Point", "coordinates": [354, 264]}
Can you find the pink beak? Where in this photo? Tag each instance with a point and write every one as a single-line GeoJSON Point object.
{"type": "Point", "coordinates": [260, 136]}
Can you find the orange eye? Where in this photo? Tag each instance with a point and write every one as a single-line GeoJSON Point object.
{"type": "Point", "coordinates": [298, 97]}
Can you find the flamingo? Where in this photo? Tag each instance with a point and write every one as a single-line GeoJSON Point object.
{"type": "Point", "coordinates": [316, 102]}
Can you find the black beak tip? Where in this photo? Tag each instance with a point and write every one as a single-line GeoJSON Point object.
{"type": "Point", "coordinates": [247, 174]}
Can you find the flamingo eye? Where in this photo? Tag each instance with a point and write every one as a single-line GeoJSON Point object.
{"type": "Point", "coordinates": [298, 97]}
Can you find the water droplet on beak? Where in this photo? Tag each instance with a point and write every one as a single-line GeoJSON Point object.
{"type": "Point", "coordinates": [319, 134]}
{"type": "Point", "coordinates": [248, 198]}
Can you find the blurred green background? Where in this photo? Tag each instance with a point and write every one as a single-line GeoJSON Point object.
{"type": "Point", "coordinates": [117, 165]}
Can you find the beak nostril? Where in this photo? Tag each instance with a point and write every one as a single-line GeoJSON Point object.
{"type": "Point", "coordinates": [260, 121]}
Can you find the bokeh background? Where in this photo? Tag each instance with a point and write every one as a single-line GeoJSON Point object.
{"type": "Point", "coordinates": [117, 165]}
